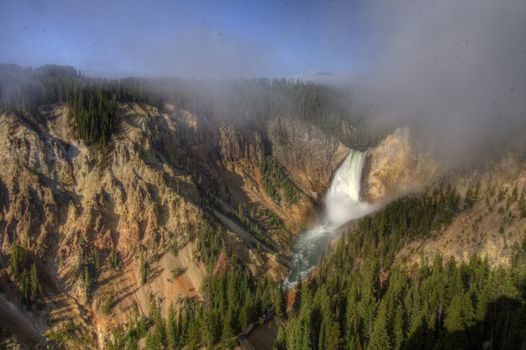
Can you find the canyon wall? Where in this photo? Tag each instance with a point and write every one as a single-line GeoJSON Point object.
{"type": "Point", "coordinates": [166, 177]}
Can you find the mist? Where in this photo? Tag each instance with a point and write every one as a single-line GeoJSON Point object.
{"type": "Point", "coordinates": [453, 71]}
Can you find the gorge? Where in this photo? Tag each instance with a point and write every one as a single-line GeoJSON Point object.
{"type": "Point", "coordinates": [133, 217]}
{"type": "Point", "coordinates": [341, 204]}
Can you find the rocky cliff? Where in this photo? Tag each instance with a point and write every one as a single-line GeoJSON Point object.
{"type": "Point", "coordinates": [114, 223]}
{"type": "Point", "coordinates": [490, 224]}
{"type": "Point", "coordinates": [397, 166]}
{"type": "Point", "coordinates": [71, 206]}
{"type": "Point", "coordinates": [307, 153]}
{"type": "Point", "coordinates": [150, 215]}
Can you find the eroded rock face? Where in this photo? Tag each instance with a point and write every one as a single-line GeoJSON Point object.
{"type": "Point", "coordinates": [492, 228]}
{"type": "Point", "coordinates": [240, 146]}
{"type": "Point", "coordinates": [397, 167]}
{"type": "Point", "coordinates": [62, 188]}
{"type": "Point", "coordinates": [61, 198]}
{"type": "Point", "coordinates": [308, 154]}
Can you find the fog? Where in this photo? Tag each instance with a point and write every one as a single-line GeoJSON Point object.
{"type": "Point", "coordinates": [453, 70]}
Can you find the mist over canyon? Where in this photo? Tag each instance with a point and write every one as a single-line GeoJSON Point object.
{"type": "Point", "coordinates": [263, 175]}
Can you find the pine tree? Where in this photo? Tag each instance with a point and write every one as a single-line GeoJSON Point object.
{"type": "Point", "coordinates": [157, 335]}
{"type": "Point", "coordinates": [15, 260]}
{"type": "Point", "coordinates": [143, 268]}
{"type": "Point", "coordinates": [227, 335]}
{"type": "Point", "coordinates": [334, 336]}
{"type": "Point", "coordinates": [398, 327]}
{"type": "Point", "coordinates": [247, 311]}
{"type": "Point", "coordinates": [114, 258]}
{"type": "Point", "coordinates": [171, 328]}
{"type": "Point", "coordinates": [87, 279]}
{"type": "Point", "coordinates": [454, 320]}
{"type": "Point", "coordinates": [35, 283]}
{"type": "Point", "coordinates": [380, 338]}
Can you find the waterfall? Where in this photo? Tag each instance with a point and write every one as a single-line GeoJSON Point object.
{"type": "Point", "coordinates": [342, 204]}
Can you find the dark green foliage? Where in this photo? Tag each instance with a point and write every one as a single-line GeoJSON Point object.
{"type": "Point", "coordinates": [172, 330]}
{"type": "Point", "coordinates": [409, 218]}
{"type": "Point", "coordinates": [250, 103]}
{"type": "Point", "coordinates": [34, 281]}
{"type": "Point", "coordinates": [143, 268]}
{"type": "Point", "coordinates": [89, 266]}
{"type": "Point", "coordinates": [68, 334]}
{"type": "Point", "coordinates": [25, 89]}
{"type": "Point", "coordinates": [232, 301]}
{"type": "Point", "coordinates": [128, 337]}
{"type": "Point", "coordinates": [114, 258]}
{"type": "Point", "coordinates": [17, 260]}
{"type": "Point", "coordinates": [277, 183]}
{"type": "Point", "coordinates": [456, 306]}
{"type": "Point", "coordinates": [156, 337]}
{"type": "Point", "coordinates": [93, 101]}
{"type": "Point", "coordinates": [209, 242]}
{"type": "Point", "coordinates": [346, 305]}
{"type": "Point", "coordinates": [249, 221]}
{"type": "Point", "coordinates": [372, 303]}
{"type": "Point", "coordinates": [25, 273]}
{"type": "Point", "coordinates": [107, 302]}
{"type": "Point", "coordinates": [267, 214]}
{"type": "Point", "coordinates": [94, 112]}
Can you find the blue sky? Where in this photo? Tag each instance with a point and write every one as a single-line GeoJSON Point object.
{"type": "Point", "coordinates": [188, 38]}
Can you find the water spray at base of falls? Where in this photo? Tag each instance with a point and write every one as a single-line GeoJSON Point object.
{"type": "Point", "coordinates": [342, 204]}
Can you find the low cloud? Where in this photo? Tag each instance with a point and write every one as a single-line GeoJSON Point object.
{"type": "Point", "coordinates": [455, 70]}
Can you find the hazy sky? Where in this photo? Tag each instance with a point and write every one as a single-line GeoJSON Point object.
{"type": "Point", "coordinates": [454, 69]}
{"type": "Point", "coordinates": [188, 38]}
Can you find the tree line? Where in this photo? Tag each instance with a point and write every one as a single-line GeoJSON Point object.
{"type": "Point", "coordinates": [248, 103]}
{"type": "Point", "coordinates": [360, 298]}
{"type": "Point", "coordinates": [25, 273]}
{"type": "Point", "coordinates": [232, 301]}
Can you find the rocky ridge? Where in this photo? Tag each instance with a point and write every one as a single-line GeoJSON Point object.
{"type": "Point", "coordinates": [74, 207]}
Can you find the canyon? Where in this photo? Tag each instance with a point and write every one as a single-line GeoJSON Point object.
{"type": "Point", "coordinates": [173, 183]}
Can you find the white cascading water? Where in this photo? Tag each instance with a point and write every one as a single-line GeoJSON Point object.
{"type": "Point", "coordinates": [342, 204]}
